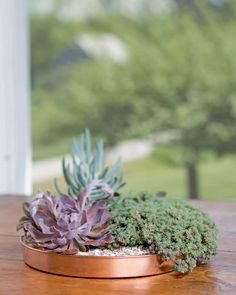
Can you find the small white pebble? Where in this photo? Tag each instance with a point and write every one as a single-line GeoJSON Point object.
{"type": "Point", "coordinates": [123, 251]}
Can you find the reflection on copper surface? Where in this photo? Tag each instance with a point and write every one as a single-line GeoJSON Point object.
{"type": "Point", "coordinates": [95, 266]}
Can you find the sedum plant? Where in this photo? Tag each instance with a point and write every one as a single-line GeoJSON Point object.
{"type": "Point", "coordinates": [173, 229]}
{"type": "Point", "coordinates": [63, 224]}
{"type": "Point", "coordinates": [88, 175]}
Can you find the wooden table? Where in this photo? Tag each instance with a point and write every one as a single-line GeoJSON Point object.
{"type": "Point", "coordinates": [218, 277]}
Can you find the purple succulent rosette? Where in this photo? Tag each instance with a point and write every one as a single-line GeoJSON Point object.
{"type": "Point", "coordinates": [65, 225]}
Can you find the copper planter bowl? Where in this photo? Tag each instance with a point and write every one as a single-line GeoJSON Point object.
{"type": "Point", "coordinates": [95, 266]}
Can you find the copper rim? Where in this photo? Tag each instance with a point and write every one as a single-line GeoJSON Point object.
{"type": "Point", "coordinates": [95, 266]}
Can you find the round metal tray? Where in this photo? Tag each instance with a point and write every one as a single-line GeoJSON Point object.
{"type": "Point", "coordinates": [95, 266]}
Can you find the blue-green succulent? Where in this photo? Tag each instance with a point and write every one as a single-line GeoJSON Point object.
{"type": "Point", "coordinates": [87, 174]}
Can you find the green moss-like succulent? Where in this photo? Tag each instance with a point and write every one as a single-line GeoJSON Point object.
{"type": "Point", "coordinates": [174, 229]}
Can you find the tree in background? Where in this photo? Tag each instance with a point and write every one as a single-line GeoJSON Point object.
{"type": "Point", "coordinates": [193, 88]}
{"type": "Point", "coordinates": [180, 74]}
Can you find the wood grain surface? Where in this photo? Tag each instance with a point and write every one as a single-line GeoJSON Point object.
{"type": "Point", "coordinates": [217, 277]}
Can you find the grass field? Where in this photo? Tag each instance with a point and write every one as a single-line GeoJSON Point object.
{"type": "Point", "coordinates": [217, 177]}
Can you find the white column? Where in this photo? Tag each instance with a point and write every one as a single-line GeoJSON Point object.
{"type": "Point", "coordinates": [15, 142]}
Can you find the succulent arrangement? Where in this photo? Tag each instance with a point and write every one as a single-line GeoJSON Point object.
{"type": "Point", "coordinates": [92, 214]}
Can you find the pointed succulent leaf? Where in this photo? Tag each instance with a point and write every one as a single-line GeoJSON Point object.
{"type": "Point", "coordinates": [25, 207]}
{"type": "Point", "coordinates": [74, 152]}
{"type": "Point", "coordinates": [81, 148]}
{"type": "Point", "coordinates": [80, 176]}
{"type": "Point", "coordinates": [96, 161]}
{"type": "Point", "coordinates": [88, 145]}
{"type": "Point", "coordinates": [71, 192]}
{"type": "Point", "coordinates": [68, 177]}
{"type": "Point", "coordinates": [101, 153]}
{"type": "Point", "coordinates": [57, 187]}
{"type": "Point", "coordinates": [104, 173]}
{"type": "Point", "coordinates": [22, 221]}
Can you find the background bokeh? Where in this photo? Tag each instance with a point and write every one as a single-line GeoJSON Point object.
{"type": "Point", "coordinates": [136, 69]}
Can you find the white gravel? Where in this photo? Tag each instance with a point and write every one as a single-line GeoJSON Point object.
{"type": "Point", "coordinates": [124, 251]}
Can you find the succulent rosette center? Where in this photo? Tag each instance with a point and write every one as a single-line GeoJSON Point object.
{"type": "Point", "coordinates": [64, 224]}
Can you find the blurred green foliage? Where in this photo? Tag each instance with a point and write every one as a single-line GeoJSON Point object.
{"type": "Point", "coordinates": [180, 74]}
